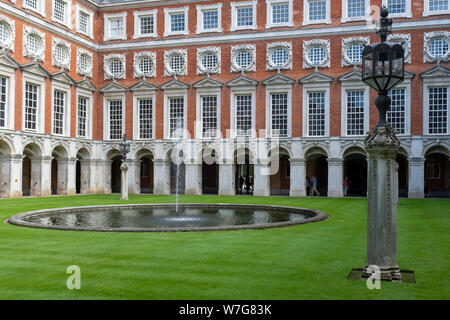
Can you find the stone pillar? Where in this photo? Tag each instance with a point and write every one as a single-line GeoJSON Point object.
{"type": "Point", "coordinates": [382, 148]}
{"type": "Point", "coordinates": [298, 178]}
{"type": "Point", "coordinates": [5, 176]}
{"type": "Point", "coordinates": [40, 176]}
{"type": "Point", "coordinates": [262, 179]}
{"type": "Point", "coordinates": [124, 181]}
{"type": "Point", "coordinates": [107, 176]}
{"type": "Point", "coordinates": [133, 175]}
{"type": "Point", "coordinates": [193, 179]}
{"type": "Point", "coordinates": [161, 175]}
{"type": "Point", "coordinates": [335, 177]}
{"type": "Point", "coordinates": [63, 173]}
{"type": "Point", "coordinates": [71, 176]}
{"type": "Point", "coordinates": [85, 176]}
{"type": "Point", "coordinates": [416, 178]}
{"type": "Point", "coordinates": [16, 176]}
{"type": "Point", "coordinates": [227, 179]}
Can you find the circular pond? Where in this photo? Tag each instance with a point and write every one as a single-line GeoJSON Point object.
{"type": "Point", "coordinates": [164, 217]}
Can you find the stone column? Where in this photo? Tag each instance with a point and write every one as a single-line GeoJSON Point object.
{"type": "Point", "coordinates": [193, 179]}
{"type": "Point", "coordinates": [71, 176]}
{"type": "Point", "coordinates": [136, 189]}
{"type": "Point", "coordinates": [262, 179]}
{"type": "Point", "coordinates": [124, 181]}
{"type": "Point", "coordinates": [16, 176]}
{"type": "Point", "coordinates": [382, 148]}
{"type": "Point", "coordinates": [107, 176]}
{"type": "Point", "coordinates": [5, 176]}
{"type": "Point", "coordinates": [335, 177]}
{"type": "Point", "coordinates": [85, 176]}
{"type": "Point", "coordinates": [161, 175]}
{"type": "Point", "coordinates": [416, 178]}
{"type": "Point", "coordinates": [227, 179]}
{"type": "Point", "coordinates": [62, 184]}
{"type": "Point", "coordinates": [298, 178]}
{"type": "Point", "coordinates": [133, 175]}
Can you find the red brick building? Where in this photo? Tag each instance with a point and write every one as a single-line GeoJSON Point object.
{"type": "Point", "coordinates": [75, 75]}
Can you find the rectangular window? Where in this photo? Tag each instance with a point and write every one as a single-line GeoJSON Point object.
{"type": "Point", "coordinates": [210, 19]}
{"type": "Point", "coordinates": [317, 10]}
{"type": "Point", "coordinates": [433, 169]}
{"type": "Point", "coordinates": [209, 116]}
{"type": "Point", "coordinates": [396, 113]}
{"type": "Point", "coordinates": [438, 5]}
{"type": "Point", "coordinates": [243, 115]}
{"type": "Point", "coordinates": [244, 16]}
{"type": "Point", "coordinates": [82, 116]}
{"type": "Point", "coordinates": [356, 8]}
{"type": "Point", "coordinates": [176, 117]}
{"type": "Point", "coordinates": [177, 22]}
{"type": "Point", "coordinates": [116, 28]}
{"type": "Point", "coordinates": [279, 105]}
{"type": "Point", "coordinates": [355, 112]}
{"type": "Point", "coordinates": [59, 11]}
{"type": "Point", "coordinates": [83, 22]}
{"type": "Point", "coordinates": [397, 6]}
{"type": "Point", "coordinates": [31, 106]}
{"type": "Point", "coordinates": [147, 24]}
{"type": "Point", "coordinates": [316, 113]}
{"type": "Point", "coordinates": [32, 4]}
{"type": "Point", "coordinates": [3, 82]}
{"type": "Point", "coordinates": [59, 98]}
{"type": "Point", "coordinates": [437, 110]}
{"type": "Point", "coordinates": [115, 119]}
{"type": "Point", "coordinates": [280, 13]}
{"type": "Point", "coordinates": [145, 118]}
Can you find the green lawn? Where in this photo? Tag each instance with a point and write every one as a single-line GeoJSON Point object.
{"type": "Point", "coordinates": [308, 261]}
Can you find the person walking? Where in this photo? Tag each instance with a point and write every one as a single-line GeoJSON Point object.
{"type": "Point", "coordinates": [346, 185]}
{"type": "Point", "coordinates": [314, 190]}
{"type": "Point", "coordinates": [308, 186]}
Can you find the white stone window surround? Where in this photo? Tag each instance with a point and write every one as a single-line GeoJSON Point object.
{"type": "Point", "coordinates": [427, 12]}
{"type": "Point", "coordinates": [234, 5]}
{"type": "Point", "coordinates": [167, 21]}
{"type": "Point", "coordinates": [110, 96]}
{"type": "Point", "coordinates": [9, 74]}
{"type": "Point", "coordinates": [138, 95]}
{"type": "Point", "coordinates": [207, 92]}
{"type": "Point", "coordinates": [67, 15]}
{"type": "Point", "coordinates": [8, 44]}
{"type": "Point", "coordinates": [81, 92]}
{"type": "Point", "coordinates": [27, 51]}
{"type": "Point", "coordinates": [79, 10]}
{"type": "Point", "coordinates": [307, 45]}
{"type": "Point", "coordinates": [168, 72]}
{"type": "Point", "coordinates": [346, 18]}
{"type": "Point", "coordinates": [244, 90]}
{"type": "Point", "coordinates": [106, 66]}
{"type": "Point", "coordinates": [346, 44]}
{"type": "Point", "coordinates": [137, 26]}
{"type": "Point", "coordinates": [201, 52]}
{"type": "Point", "coordinates": [428, 37]}
{"type": "Point", "coordinates": [107, 19]}
{"type": "Point", "coordinates": [350, 86]}
{"type": "Point", "coordinates": [88, 71]}
{"type": "Point", "coordinates": [200, 9]}
{"type": "Point", "coordinates": [316, 87]}
{"type": "Point", "coordinates": [174, 93]}
{"type": "Point", "coordinates": [307, 21]}
{"type": "Point", "coordinates": [234, 53]}
{"type": "Point", "coordinates": [55, 60]}
{"type": "Point", "coordinates": [399, 37]}
{"type": "Point", "coordinates": [430, 83]}
{"type": "Point", "coordinates": [271, 48]}
{"type": "Point", "coordinates": [138, 73]}
{"type": "Point", "coordinates": [406, 14]}
{"type": "Point", "coordinates": [269, 14]}
{"type": "Point", "coordinates": [274, 89]}
{"type": "Point", "coordinates": [40, 7]}
{"type": "Point", "coordinates": [38, 81]}
{"type": "Point", "coordinates": [406, 85]}
{"type": "Point", "coordinates": [65, 88]}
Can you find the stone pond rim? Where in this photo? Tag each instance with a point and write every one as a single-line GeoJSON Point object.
{"type": "Point", "coordinates": [311, 215]}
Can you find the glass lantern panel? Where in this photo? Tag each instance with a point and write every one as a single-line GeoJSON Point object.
{"type": "Point", "coordinates": [368, 65]}
{"type": "Point", "coordinates": [372, 83]}
{"type": "Point", "coordinates": [397, 67]}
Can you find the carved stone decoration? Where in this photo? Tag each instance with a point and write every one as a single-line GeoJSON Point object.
{"type": "Point", "coordinates": [405, 41]}
{"type": "Point", "coordinates": [235, 50]}
{"type": "Point", "coordinates": [39, 54]}
{"type": "Point", "coordinates": [168, 56]}
{"type": "Point", "coordinates": [311, 44]}
{"type": "Point", "coordinates": [8, 43]}
{"type": "Point", "coordinates": [87, 70]}
{"type": "Point", "coordinates": [56, 60]}
{"type": "Point", "coordinates": [138, 57]}
{"type": "Point", "coordinates": [428, 38]}
{"type": "Point", "coordinates": [108, 60]}
{"type": "Point", "coordinates": [346, 44]}
{"type": "Point", "coordinates": [271, 48]}
{"type": "Point", "coordinates": [201, 53]}
{"type": "Point", "coordinates": [382, 136]}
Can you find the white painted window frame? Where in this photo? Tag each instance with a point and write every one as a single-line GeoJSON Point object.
{"type": "Point", "coordinates": [430, 83]}
{"type": "Point", "coordinates": [80, 92]}
{"type": "Point", "coordinates": [316, 87]}
{"type": "Point", "coordinates": [346, 18]}
{"type": "Point", "coordinates": [38, 81]}
{"type": "Point", "coordinates": [274, 89]}
{"type": "Point", "coordinates": [40, 10]}
{"type": "Point", "coordinates": [234, 6]}
{"type": "Point", "coordinates": [107, 19]}
{"type": "Point", "coordinates": [427, 12]}
{"type": "Point", "coordinates": [9, 74]}
{"type": "Point", "coordinates": [90, 32]}
{"type": "Point", "coordinates": [269, 14]}
{"type": "Point", "coordinates": [167, 21]}
{"type": "Point", "coordinates": [139, 95]}
{"type": "Point", "coordinates": [108, 96]}
{"type": "Point", "coordinates": [206, 92]}
{"type": "Point", "coordinates": [63, 87]}
{"type": "Point", "coordinates": [210, 7]}
{"type": "Point", "coordinates": [407, 14]}
{"type": "Point", "coordinates": [350, 86]}
{"type": "Point", "coordinates": [307, 21]}
{"type": "Point", "coordinates": [174, 93]}
{"type": "Point", "coordinates": [67, 15]}
{"type": "Point", "coordinates": [234, 91]}
{"type": "Point", "coordinates": [137, 26]}
{"type": "Point", "coordinates": [406, 85]}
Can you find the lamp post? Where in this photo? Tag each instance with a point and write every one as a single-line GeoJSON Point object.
{"type": "Point", "coordinates": [382, 69]}
{"type": "Point", "coordinates": [124, 149]}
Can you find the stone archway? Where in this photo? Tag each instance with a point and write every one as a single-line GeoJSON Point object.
{"type": "Point", "coordinates": [280, 182]}
{"type": "Point", "coordinates": [113, 176]}
{"type": "Point", "coordinates": [177, 172]}
{"type": "Point", "coordinates": [145, 171]}
{"type": "Point", "coordinates": [403, 174]}
{"type": "Point", "coordinates": [31, 170]}
{"type": "Point", "coordinates": [59, 171]}
{"type": "Point", "coordinates": [437, 173]}
{"type": "Point", "coordinates": [83, 171]}
{"type": "Point", "coordinates": [5, 169]}
{"type": "Point", "coordinates": [355, 172]}
{"type": "Point", "coordinates": [317, 166]}
{"type": "Point", "coordinates": [244, 171]}
{"type": "Point", "coordinates": [210, 171]}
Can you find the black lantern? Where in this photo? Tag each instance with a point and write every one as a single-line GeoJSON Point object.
{"type": "Point", "coordinates": [383, 66]}
{"type": "Point", "coordinates": [124, 147]}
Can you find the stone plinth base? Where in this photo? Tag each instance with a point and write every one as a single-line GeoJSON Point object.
{"type": "Point", "coordinates": [399, 275]}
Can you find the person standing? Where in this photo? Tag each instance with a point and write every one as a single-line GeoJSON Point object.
{"type": "Point", "coordinates": [308, 186]}
{"type": "Point", "coordinates": [346, 185]}
{"type": "Point", "coordinates": [314, 190]}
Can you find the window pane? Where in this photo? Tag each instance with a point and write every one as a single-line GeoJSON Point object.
{"type": "Point", "coordinates": [177, 22]}
{"type": "Point", "coordinates": [437, 110]}
{"type": "Point", "coordinates": [58, 112]}
{"type": "Point", "coordinates": [280, 13]}
{"type": "Point", "coordinates": [244, 16]}
{"type": "Point", "coordinates": [396, 6]}
{"type": "Point", "coordinates": [356, 8]}
{"type": "Point", "coordinates": [396, 113]}
{"type": "Point", "coordinates": [82, 116]}
{"type": "Point", "coordinates": [209, 116]}
{"type": "Point", "coordinates": [355, 112]}
{"type": "Point", "coordinates": [438, 5]}
{"type": "Point", "coordinates": [147, 24]}
{"type": "Point", "coordinates": [2, 101]}
{"type": "Point", "coordinates": [145, 118]}
{"type": "Point", "coordinates": [316, 113]}
{"type": "Point", "coordinates": [84, 22]}
{"type": "Point", "coordinates": [317, 10]}
{"type": "Point", "coordinates": [31, 104]}
{"type": "Point", "coordinates": [279, 114]}
{"type": "Point", "coordinates": [116, 28]}
{"type": "Point", "coordinates": [176, 117]}
{"type": "Point", "coordinates": [210, 19]}
{"type": "Point", "coordinates": [243, 115]}
{"type": "Point", "coordinates": [59, 10]}
{"type": "Point", "coordinates": [115, 119]}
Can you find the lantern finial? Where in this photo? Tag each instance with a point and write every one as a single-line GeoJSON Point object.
{"type": "Point", "coordinates": [385, 24]}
